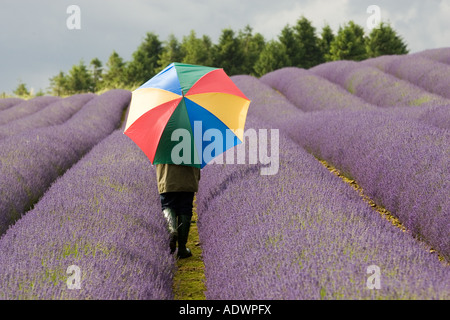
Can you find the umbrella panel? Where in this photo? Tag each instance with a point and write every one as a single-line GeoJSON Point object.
{"type": "Point", "coordinates": [181, 143]}
{"type": "Point", "coordinates": [148, 136]}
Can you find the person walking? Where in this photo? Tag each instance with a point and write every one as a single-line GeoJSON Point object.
{"type": "Point", "coordinates": [177, 185]}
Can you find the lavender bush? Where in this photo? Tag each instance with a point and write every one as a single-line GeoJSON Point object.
{"type": "Point", "coordinates": [104, 216]}
{"type": "Point", "coordinates": [400, 163]}
{"type": "Point", "coordinates": [55, 113]}
{"type": "Point", "coordinates": [375, 86]}
{"type": "Point", "coordinates": [6, 103]}
{"type": "Point", "coordinates": [303, 234]}
{"type": "Point", "coordinates": [438, 54]}
{"type": "Point", "coordinates": [310, 92]}
{"type": "Point", "coordinates": [435, 116]}
{"type": "Point", "coordinates": [31, 161]}
{"type": "Point", "coordinates": [25, 108]}
{"type": "Point", "coordinates": [287, 94]}
{"type": "Point", "coordinates": [428, 74]}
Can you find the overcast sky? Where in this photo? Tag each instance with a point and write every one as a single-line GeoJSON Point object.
{"type": "Point", "coordinates": [35, 42]}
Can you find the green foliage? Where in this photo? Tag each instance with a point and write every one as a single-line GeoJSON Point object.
{"type": "Point", "coordinates": [327, 37]}
{"type": "Point", "coordinates": [144, 64]}
{"type": "Point", "coordinates": [383, 40]}
{"type": "Point", "coordinates": [79, 79]}
{"type": "Point", "coordinates": [349, 44]}
{"type": "Point", "coordinates": [196, 50]}
{"type": "Point", "coordinates": [273, 57]}
{"type": "Point", "coordinates": [242, 52]}
{"type": "Point", "coordinates": [114, 77]}
{"type": "Point", "coordinates": [96, 66]}
{"type": "Point", "coordinates": [58, 84]}
{"type": "Point", "coordinates": [228, 52]}
{"type": "Point", "coordinates": [305, 36]}
{"type": "Point", "coordinates": [171, 52]}
{"type": "Point", "coordinates": [290, 46]}
{"type": "Point", "coordinates": [252, 45]}
{"type": "Point", "coordinates": [21, 90]}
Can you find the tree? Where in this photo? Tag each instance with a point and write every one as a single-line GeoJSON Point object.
{"type": "Point", "coordinates": [171, 52]}
{"type": "Point", "coordinates": [327, 37]}
{"type": "Point", "coordinates": [273, 57]}
{"type": "Point", "coordinates": [349, 43]}
{"type": "Point", "coordinates": [383, 40]}
{"type": "Point", "coordinates": [291, 46]}
{"type": "Point", "coordinates": [58, 84]}
{"type": "Point", "coordinates": [79, 79]}
{"type": "Point", "coordinates": [228, 53]}
{"type": "Point", "coordinates": [197, 50]}
{"type": "Point", "coordinates": [21, 90]}
{"type": "Point", "coordinates": [305, 36]}
{"type": "Point", "coordinates": [251, 45]}
{"type": "Point", "coordinates": [114, 77]}
{"type": "Point", "coordinates": [144, 64]}
{"type": "Point", "coordinates": [96, 73]}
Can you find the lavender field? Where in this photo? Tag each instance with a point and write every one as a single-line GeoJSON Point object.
{"type": "Point", "coordinates": [75, 191]}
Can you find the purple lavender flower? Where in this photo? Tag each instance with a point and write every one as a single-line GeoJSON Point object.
{"type": "Point", "coordinates": [6, 103]}
{"type": "Point", "coordinates": [430, 75]}
{"type": "Point", "coordinates": [438, 54]}
{"type": "Point", "coordinates": [310, 92]}
{"type": "Point", "coordinates": [53, 114]}
{"type": "Point", "coordinates": [302, 234]}
{"type": "Point", "coordinates": [25, 108]}
{"type": "Point", "coordinates": [400, 163]}
{"type": "Point", "coordinates": [32, 160]}
{"type": "Point", "coordinates": [104, 216]}
{"type": "Point", "coordinates": [375, 86]}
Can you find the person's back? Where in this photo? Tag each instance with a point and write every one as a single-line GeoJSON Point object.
{"type": "Point", "coordinates": [177, 185]}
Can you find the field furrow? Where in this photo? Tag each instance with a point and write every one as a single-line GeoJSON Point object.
{"type": "Point", "coordinates": [25, 108]}
{"type": "Point", "coordinates": [31, 161]}
{"type": "Point", "coordinates": [303, 234]}
{"type": "Point", "coordinates": [428, 74]}
{"type": "Point", "coordinates": [53, 114]}
{"type": "Point", "coordinates": [377, 87]}
{"type": "Point", "coordinates": [6, 103]}
{"type": "Point", "coordinates": [103, 216]}
{"type": "Point", "coordinates": [402, 164]}
{"type": "Point", "coordinates": [310, 92]}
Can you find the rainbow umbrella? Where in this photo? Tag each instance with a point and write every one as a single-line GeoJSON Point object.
{"type": "Point", "coordinates": [187, 114]}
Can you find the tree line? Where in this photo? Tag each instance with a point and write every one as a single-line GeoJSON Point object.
{"type": "Point", "coordinates": [241, 52]}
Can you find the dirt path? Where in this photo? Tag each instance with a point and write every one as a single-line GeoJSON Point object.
{"type": "Point", "coordinates": [382, 211]}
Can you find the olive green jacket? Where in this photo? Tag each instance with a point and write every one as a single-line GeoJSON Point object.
{"type": "Point", "coordinates": [176, 178]}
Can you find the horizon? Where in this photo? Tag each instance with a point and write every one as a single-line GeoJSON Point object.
{"type": "Point", "coordinates": [43, 44]}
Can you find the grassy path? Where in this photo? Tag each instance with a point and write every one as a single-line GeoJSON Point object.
{"type": "Point", "coordinates": [189, 279]}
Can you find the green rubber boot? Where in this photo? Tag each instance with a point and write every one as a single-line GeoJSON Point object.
{"type": "Point", "coordinates": [184, 224]}
{"type": "Point", "coordinates": [171, 218]}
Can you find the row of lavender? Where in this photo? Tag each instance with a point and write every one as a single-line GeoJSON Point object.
{"type": "Point", "coordinates": [31, 160]}
{"type": "Point", "coordinates": [427, 74]}
{"type": "Point", "coordinates": [103, 217]}
{"type": "Point", "coordinates": [400, 163]}
{"type": "Point", "coordinates": [302, 233]}
{"type": "Point", "coordinates": [6, 103]}
{"type": "Point", "coordinates": [376, 86]}
{"type": "Point", "coordinates": [413, 81]}
{"type": "Point", "coordinates": [40, 112]}
{"type": "Point", "coordinates": [16, 111]}
{"type": "Point", "coordinates": [313, 90]}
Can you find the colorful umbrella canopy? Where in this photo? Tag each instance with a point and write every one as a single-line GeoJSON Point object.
{"type": "Point", "coordinates": [187, 112]}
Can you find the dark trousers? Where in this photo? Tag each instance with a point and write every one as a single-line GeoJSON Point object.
{"type": "Point", "coordinates": [180, 202]}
